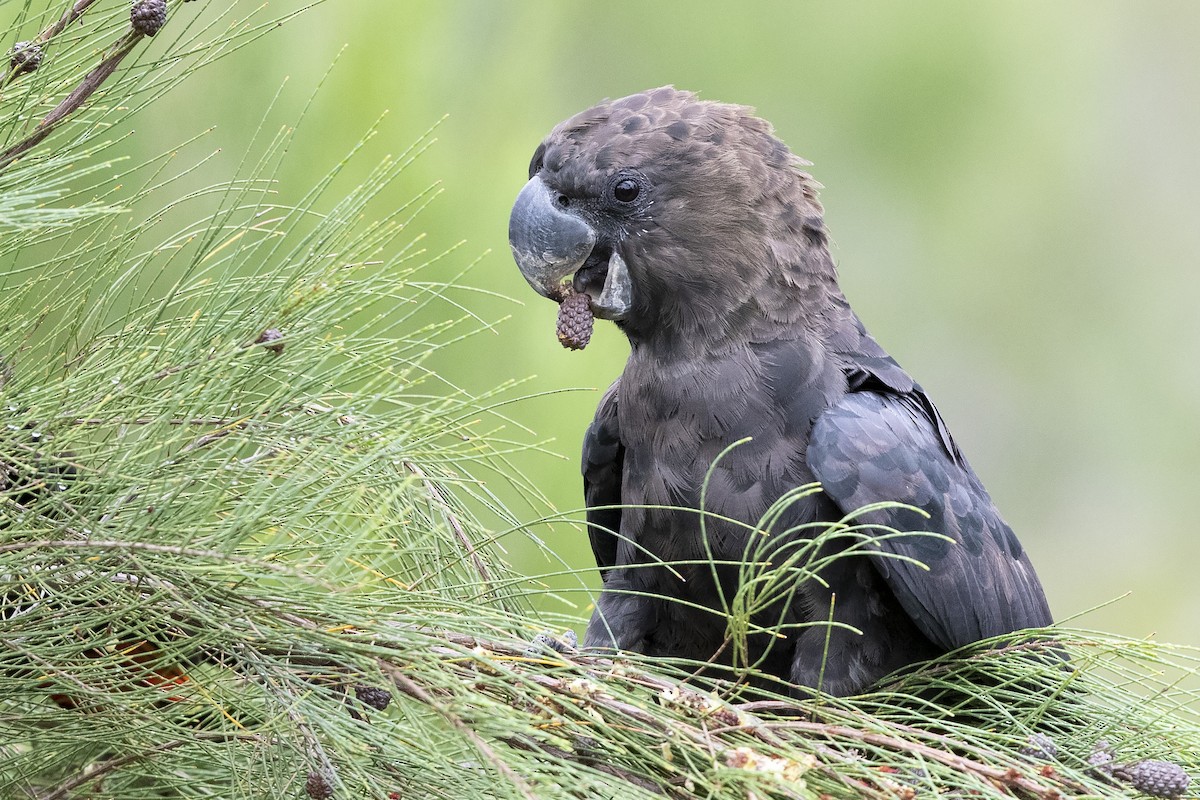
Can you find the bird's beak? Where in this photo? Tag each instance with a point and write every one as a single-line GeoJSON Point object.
{"type": "Point", "coordinates": [548, 242]}
{"type": "Point", "coordinates": [616, 298]}
{"type": "Point", "coordinates": [550, 245]}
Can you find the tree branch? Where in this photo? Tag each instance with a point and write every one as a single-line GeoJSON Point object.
{"type": "Point", "coordinates": [435, 494]}
{"type": "Point", "coordinates": [102, 768]}
{"type": "Point", "coordinates": [70, 15]}
{"type": "Point", "coordinates": [413, 690]}
{"type": "Point", "coordinates": [90, 83]}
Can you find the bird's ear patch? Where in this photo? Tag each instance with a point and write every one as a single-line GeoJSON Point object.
{"type": "Point", "coordinates": [814, 228]}
{"type": "Point", "coordinates": [535, 163]}
{"type": "Point", "coordinates": [679, 131]}
{"type": "Point", "coordinates": [553, 158]}
{"type": "Point", "coordinates": [780, 156]}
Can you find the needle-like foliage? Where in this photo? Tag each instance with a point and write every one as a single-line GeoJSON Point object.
{"type": "Point", "coordinates": [249, 547]}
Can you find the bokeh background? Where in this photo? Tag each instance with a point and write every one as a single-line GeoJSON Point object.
{"type": "Point", "coordinates": [1013, 190]}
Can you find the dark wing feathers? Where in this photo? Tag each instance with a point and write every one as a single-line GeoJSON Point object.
{"type": "Point", "coordinates": [882, 446]}
{"type": "Point", "coordinates": [603, 455]}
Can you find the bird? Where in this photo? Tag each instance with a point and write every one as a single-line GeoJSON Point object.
{"type": "Point", "coordinates": [767, 488]}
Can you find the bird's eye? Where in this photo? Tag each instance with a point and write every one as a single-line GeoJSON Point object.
{"type": "Point", "coordinates": [626, 190]}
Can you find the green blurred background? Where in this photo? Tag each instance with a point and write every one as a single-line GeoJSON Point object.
{"type": "Point", "coordinates": [1013, 191]}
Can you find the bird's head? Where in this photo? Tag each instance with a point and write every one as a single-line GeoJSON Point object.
{"type": "Point", "coordinates": [669, 212]}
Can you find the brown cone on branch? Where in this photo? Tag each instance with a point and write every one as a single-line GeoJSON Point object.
{"type": "Point", "coordinates": [575, 321]}
{"type": "Point", "coordinates": [25, 57]}
{"type": "Point", "coordinates": [1155, 778]}
{"type": "Point", "coordinates": [148, 16]}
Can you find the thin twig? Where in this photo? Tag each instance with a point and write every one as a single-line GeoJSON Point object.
{"type": "Point", "coordinates": [608, 769]}
{"type": "Point", "coordinates": [413, 690]}
{"type": "Point", "coordinates": [102, 768]}
{"type": "Point", "coordinates": [70, 15]}
{"type": "Point", "coordinates": [188, 552]}
{"type": "Point", "coordinates": [1008, 776]}
{"type": "Point", "coordinates": [316, 750]}
{"type": "Point", "coordinates": [439, 499]}
{"type": "Point", "coordinates": [217, 435]}
{"type": "Point", "coordinates": [153, 420]}
{"type": "Point", "coordinates": [90, 83]}
{"type": "Point", "coordinates": [49, 669]}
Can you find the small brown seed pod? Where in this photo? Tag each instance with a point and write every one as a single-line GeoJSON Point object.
{"type": "Point", "coordinates": [575, 321]}
{"type": "Point", "coordinates": [267, 337]}
{"type": "Point", "coordinates": [318, 786]}
{"type": "Point", "coordinates": [148, 16]}
{"type": "Point", "coordinates": [25, 57]}
{"type": "Point", "coordinates": [373, 696]}
{"type": "Point", "coordinates": [1155, 778]}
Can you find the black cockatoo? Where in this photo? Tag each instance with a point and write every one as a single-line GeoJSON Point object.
{"type": "Point", "coordinates": [698, 232]}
